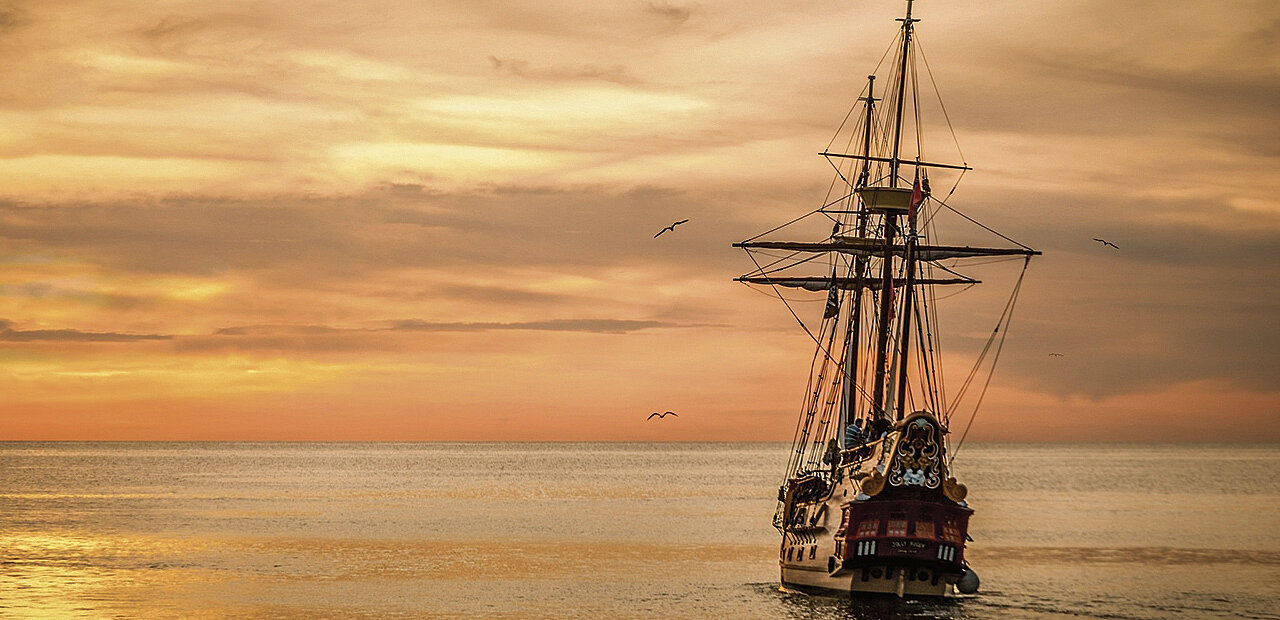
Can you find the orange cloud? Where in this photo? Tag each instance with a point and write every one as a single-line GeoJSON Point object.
{"type": "Point", "coordinates": [256, 222]}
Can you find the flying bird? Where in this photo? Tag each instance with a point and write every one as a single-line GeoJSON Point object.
{"type": "Point", "coordinates": [671, 228]}
{"type": "Point", "coordinates": [661, 415]}
{"type": "Point", "coordinates": [1104, 242]}
{"type": "Point", "coordinates": [1055, 355]}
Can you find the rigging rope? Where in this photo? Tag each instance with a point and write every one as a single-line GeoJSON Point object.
{"type": "Point", "coordinates": [761, 270]}
{"type": "Point", "coordinates": [985, 227]}
{"type": "Point", "coordinates": [931, 324]}
{"type": "Point", "coordinates": [864, 90]}
{"type": "Point", "coordinates": [794, 315]}
{"type": "Point", "coordinates": [924, 353]}
{"type": "Point", "coordinates": [812, 403]}
{"type": "Point", "coordinates": [936, 91]}
{"type": "Point", "coordinates": [1007, 318]}
{"type": "Point", "coordinates": [777, 228]}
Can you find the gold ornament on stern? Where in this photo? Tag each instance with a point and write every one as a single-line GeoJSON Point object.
{"type": "Point", "coordinates": [873, 483]}
{"type": "Point", "coordinates": [954, 490]}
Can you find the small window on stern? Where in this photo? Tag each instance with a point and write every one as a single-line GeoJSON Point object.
{"type": "Point", "coordinates": [868, 529]}
{"type": "Point", "coordinates": [924, 529]}
{"type": "Point", "coordinates": [950, 531]}
{"type": "Point", "coordinates": [896, 527]}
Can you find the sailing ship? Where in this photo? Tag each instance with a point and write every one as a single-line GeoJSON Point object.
{"type": "Point", "coordinates": [869, 503]}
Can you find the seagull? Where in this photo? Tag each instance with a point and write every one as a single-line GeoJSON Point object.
{"type": "Point", "coordinates": [662, 415]}
{"type": "Point", "coordinates": [1055, 355]}
{"type": "Point", "coordinates": [671, 228]}
{"type": "Point", "coordinates": [1106, 243]}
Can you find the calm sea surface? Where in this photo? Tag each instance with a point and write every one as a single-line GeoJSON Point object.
{"type": "Point", "coordinates": [267, 530]}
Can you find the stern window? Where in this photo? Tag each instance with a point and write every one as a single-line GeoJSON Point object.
{"type": "Point", "coordinates": [897, 527]}
{"type": "Point", "coordinates": [867, 529]}
{"type": "Point", "coordinates": [950, 531]}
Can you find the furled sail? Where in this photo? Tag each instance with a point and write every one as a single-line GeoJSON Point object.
{"type": "Point", "coordinates": [843, 282]}
{"type": "Point", "coordinates": [866, 246]}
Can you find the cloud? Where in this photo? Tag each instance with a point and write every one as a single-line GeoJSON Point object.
{"type": "Point", "coordinates": [402, 336]}
{"type": "Point", "coordinates": [608, 326]}
{"type": "Point", "coordinates": [675, 13]}
{"type": "Point", "coordinates": [9, 334]}
{"type": "Point", "coordinates": [499, 295]}
{"type": "Point", "coordinates": [294, 330]}
{"type": "Point", "coordinates": [603, 326]}
{"type": "Point", "coordinates": [322, 337]}
{"type": "Point", "coordinates": [353, 236]}
{"type": "Point", "coordinates": [617, 74]}
{"type": "Point", "coordinates": [254, 181]}
{"type": "Point", "coordinates": [12, 18]}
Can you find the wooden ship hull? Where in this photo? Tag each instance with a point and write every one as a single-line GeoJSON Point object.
{"type": "Point", "coordinates": [886, 520]}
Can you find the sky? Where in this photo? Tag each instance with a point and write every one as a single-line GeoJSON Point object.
{"type": "Point", "coordinates": [433, 220]}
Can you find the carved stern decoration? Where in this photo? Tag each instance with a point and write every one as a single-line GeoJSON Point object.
{"type": "Point", "coordinates": [917, 458]}
{"type": "Point", "coordinates": [905, 532]}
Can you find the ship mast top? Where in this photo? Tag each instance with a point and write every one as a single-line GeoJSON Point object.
{"type": "Point", "coordinates": [902, 87]}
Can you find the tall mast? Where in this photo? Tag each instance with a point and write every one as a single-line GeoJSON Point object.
{"type": "Point", "coordinates": [864, 175]}
{"type": "Point", "coordinates": [848, 404]}
{"type": "Point", "coordinates": [909, 258]}
{"type": "Point", "coordinates": [907, 304]}
{"type": "Point", "coordinates": [891, 226]}
{"type": "Point", "coordinates": [902, 89]}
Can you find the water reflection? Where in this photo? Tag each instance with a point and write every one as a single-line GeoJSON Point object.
{"type": "Point", "coordinates": [53, 574]}
{"type": "Point", "coordinates": [801, 605]}
{"type": "Point", "coordinates": [597, 531]}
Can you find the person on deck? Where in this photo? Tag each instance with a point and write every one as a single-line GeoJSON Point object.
{"type": "Point", "coordinates": [879, 428]}
{"type": "Point", "coordinates": [854, 435]}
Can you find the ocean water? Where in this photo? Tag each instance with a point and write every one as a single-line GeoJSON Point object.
{"type": "Point", "coordinates": [583, 530]}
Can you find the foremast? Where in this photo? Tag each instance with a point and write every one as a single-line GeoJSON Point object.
{"type": "Point", "coordinates": [859, 270]}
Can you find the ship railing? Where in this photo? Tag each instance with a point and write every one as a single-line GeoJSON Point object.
{"type": "Point", "coordinates": [861, 452]}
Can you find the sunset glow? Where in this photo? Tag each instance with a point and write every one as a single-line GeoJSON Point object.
{"type": "Point", "coordinates": [434, 221]}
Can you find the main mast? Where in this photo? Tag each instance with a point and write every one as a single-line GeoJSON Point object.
{"type": "Point", "coordinates": [902, 89]}
{"type": "Point", "coordinates": [882, 401]}
{"type": "Point", "coordinates": [908, 302]}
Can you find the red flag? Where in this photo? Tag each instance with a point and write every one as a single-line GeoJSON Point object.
{"type": "Point", "coordinates": [917, 197]}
